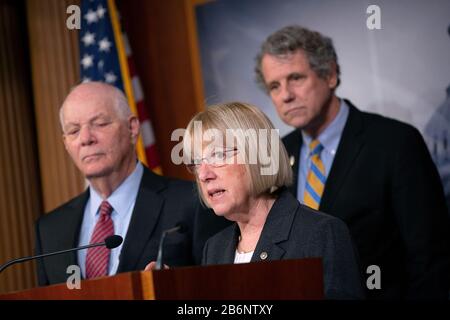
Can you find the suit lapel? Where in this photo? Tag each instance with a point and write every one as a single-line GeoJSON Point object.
{"type": "Point", "coordinates": [65, 236]}
{"type": "Point", "coordinates": [73, 221]}
{"type": "Point", "coordinates": [276, 229]}
{"type": "Point", "coordinates": [293, 143]}
{"type": "Point", "coordinates": [145, 215]}
{"type": "Point", "coordinates": [349, 148]}
{"type": "Point", "coordinates": [227, 256]}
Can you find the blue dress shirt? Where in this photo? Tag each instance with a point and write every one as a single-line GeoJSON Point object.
{"type": "Point", "coordinates": [122, 200]}
{"type": "Point", "coordinates": [329, 138]}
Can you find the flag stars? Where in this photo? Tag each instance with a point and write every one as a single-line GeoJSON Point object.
{"type": "Point", "coordinates": [88, 39]}
{"type": "Point", "coordinates": [110, 77]}
{"type": "Point", "coordinates": [104, 44]}
{"type": "Point", "coordinates": [91, 16]}
{"type": "Point", "coordinates": [87, 61]}
{"type": "Point", "coordinates": [100, 11]}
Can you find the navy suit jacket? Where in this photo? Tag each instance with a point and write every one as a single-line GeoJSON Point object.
{"type": "Point", "coordinates": [294, 231]}
{"type": "Point", "coordinates": [384, 185]}
{"type": "Point", "coordinates": [160, 204]}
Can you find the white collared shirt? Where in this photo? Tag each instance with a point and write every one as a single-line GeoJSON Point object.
{"type": "Point", "coordinates": [243, 257]}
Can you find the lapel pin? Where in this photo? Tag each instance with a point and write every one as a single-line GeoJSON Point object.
{"type": "Point", "coordinates": [263, 255]}
{"type": "Point", "coordinates": [292, 160]}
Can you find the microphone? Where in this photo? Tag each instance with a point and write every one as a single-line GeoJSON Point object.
{"type": "Point", "coordinates": [110, 242]}
{"type": "Point", "coordinates": [181, 228]}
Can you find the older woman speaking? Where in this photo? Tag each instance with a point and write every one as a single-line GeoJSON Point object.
{"type": "Point", "coordinates": [242, 170]}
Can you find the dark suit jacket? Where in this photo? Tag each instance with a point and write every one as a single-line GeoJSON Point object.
{"type": "Point", "coordinates": [294, 231]}
{"type": "Point", "coordinates": [160, 204]}
{"type": "Point", "coordinates": [384, 185]}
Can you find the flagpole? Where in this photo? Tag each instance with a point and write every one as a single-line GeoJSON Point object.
{"type": "Point", "coordinates": [125, 73]}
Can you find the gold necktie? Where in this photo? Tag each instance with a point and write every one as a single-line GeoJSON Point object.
{"type": "Point", "coordinates": [315, 181]}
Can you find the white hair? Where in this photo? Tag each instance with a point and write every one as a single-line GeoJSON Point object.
{"type": "Point", "coordinates": [118, 97]}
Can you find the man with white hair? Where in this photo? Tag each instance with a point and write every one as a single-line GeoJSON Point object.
{"type": "Point", "coordinates": [123, 197]}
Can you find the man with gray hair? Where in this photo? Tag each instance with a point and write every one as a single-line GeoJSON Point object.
{"type": "Point", "coordinates": [373, 172]}
{"type": "Point", "coordinates": [123, 197]}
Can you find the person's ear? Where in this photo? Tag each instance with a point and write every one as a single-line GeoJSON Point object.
{"type": "Point", "coordinates": [332, 78]}
{"type": "Point", "coordinates": [134, 127]}
{"type": "Point", "coordinates": [64, 138]}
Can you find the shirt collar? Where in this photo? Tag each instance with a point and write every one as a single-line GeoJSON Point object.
{"type": "Point", "coordinates": [331, 136]}
{"type": "Point", "coordinates": [120, 199]}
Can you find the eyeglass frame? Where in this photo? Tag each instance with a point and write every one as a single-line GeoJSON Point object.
{"type": "Point", "coordinates": [193, 167]}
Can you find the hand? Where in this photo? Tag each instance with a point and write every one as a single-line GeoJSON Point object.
{"type": "Point", "coordinates": [151, 266]}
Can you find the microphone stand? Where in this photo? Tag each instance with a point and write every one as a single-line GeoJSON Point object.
{"type": "Point", "coordinates": [178, 227]}
{"type": "Point", "coordinates": [9, 263]}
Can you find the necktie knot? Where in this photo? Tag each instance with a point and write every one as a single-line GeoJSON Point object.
{"type": "Point", "coordinates": [315, 147]}
{"type": "Point", "coordinates": [105, 210]}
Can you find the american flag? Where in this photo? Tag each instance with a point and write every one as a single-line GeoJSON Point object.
{"type": "Point", "coordinates": [103, 47]}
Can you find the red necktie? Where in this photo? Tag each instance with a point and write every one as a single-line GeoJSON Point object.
{"type": "Point", "coordinates": [97, 259]}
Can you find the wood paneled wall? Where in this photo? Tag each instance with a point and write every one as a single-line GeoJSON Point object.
{"type": "Point", "coordinates": [55, 69]}
{"type": "Point", "coordinates": [36, 174]}
{"type": "Point", "coordinates": [20, 194]}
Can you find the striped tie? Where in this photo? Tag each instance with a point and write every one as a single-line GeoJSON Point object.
{"type": "Point", "coordinates": [97, 259]}
{"type": "Point", "coordinates": [315, 182]}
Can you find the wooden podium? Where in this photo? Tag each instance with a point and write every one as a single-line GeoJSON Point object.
{"type": "Point", "coordinates": [274, 280]}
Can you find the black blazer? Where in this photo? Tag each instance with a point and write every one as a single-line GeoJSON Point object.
{"type": "Point", "coordinates": [160, 204]}
{"type": "Point", "coordinates": [294, 231]}
{"type": "Point", "coordinates": [384, 185]}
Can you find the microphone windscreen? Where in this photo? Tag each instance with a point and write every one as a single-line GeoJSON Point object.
{"type": "Point", "coordinates": [113, 241]}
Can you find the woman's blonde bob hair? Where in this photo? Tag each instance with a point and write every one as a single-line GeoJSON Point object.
{"type": "Point", "coordinates": [243, 118]}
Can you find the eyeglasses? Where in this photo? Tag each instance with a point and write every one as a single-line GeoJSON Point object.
{"type": "Point", "coordinates": [216, 159]}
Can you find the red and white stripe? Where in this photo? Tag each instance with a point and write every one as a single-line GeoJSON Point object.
{"type": "Point", "coordinates": [97, 258]}
{"type": "Point", "coordinates": [146, 126]}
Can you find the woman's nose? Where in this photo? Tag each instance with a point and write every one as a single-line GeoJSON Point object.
{"type": "Point", "coordinates": [205, 172]}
